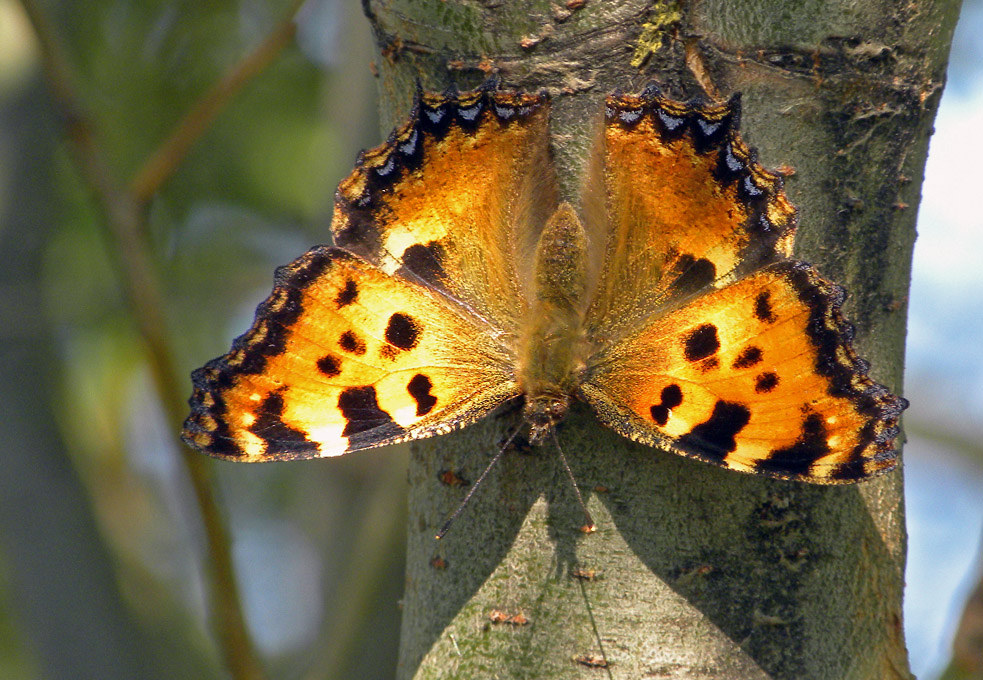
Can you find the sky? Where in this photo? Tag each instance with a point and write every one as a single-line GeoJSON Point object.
{"type": "Point", "coordinates": [944, 376]}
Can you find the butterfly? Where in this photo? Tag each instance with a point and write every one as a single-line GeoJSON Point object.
{"type": "Point", "coordinates": [665, 297]}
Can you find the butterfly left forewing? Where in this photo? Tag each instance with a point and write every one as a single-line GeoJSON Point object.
{"type": "Point", "coordinates": [342, 357]}
{"type": "Point", "coordinates": [759, 376]}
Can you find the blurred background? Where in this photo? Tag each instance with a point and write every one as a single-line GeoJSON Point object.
{"type": "Point", "coordinates": [98, 517]}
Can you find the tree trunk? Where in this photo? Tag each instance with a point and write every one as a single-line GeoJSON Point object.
{"type": "Point", "coordinates": [694, 572]}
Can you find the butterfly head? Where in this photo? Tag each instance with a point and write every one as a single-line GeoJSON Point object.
{"type": "Point", "coordinates": [542, 412]}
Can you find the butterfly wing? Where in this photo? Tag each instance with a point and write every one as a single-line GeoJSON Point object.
{"type": "Point", "coordinates": [456, 199]}
{"type": "Point", "coordinates": [758, 376]}
{"type": "Point", "coordinates": [707, 340]}
{"type": "Point", "coordinates": [687, 208]}
{"type": "Point", "coordinates": [410, 329]}
{"type": "Point", "coordinates": [341, 357]}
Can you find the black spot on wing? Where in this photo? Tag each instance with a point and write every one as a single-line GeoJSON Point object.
{"type": "Point", "coordinates": [347, 295]}
{"type": "Point", "coordinates": [419, 389]}
{"type": "Point", "coordinates": [714, 439]}
{"type": "Point", "coordinates": [762, 307]}
{"type": "Point", "coordinates": [280, 438]}
{"type": "Point", "coordinates": [351, 343]}
{"type": "Point", "coordinates": [797, 458]}
{"type": "Point", "coordinates": [360, 407]}
{"type": "Point", "coordinates": [660, 414]}
{"type": "Point", "coordinates": [693, 274]}
{"type": "Point", "coordinates": [701, 342]}
{"type": "Point", "coordinates": [765, 382]}
{"type": "Point", "coordinates": [425, 262]}
{"type": "Point", "coordinates": [329, 365]}
{"type": "Point", "coordinates": [748, 357]}
{"type": "Point", "coordinates": [670, 398]}
{"type": "Point", "coordinates": [403, 331]}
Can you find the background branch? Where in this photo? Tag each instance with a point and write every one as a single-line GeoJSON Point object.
{"type": "Point", "coordinates": [168, 156]}
{"type": "Point", "coordinates": [125, 225]}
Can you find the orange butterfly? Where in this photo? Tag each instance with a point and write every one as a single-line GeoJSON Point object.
{"type": "Point", "coordinates": [665, 298]}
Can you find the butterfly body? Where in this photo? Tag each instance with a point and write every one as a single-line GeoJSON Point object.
{"type": "Point", "coordinates": [665, 297]}
{"type": "Point", "coordinates": [555, 347]}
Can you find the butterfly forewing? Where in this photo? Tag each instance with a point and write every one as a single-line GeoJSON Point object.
{"type": "Point", "coordinates": [456, 200]}
{"type": "Point", "coordinates": [687, 208]}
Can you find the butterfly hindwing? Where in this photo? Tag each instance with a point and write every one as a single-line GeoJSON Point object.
{"type": "Point", "coordinates": [758, 376]}
{"type": "Point", "coordinates": [342, 357]}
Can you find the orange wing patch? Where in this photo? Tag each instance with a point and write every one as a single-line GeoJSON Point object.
{"type": "Point", "coordinates": [343, 357]}
{"type": "Point", "coordinates": [758, 376]}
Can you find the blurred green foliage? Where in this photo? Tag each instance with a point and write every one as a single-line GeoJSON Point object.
{"type": "Point", "coordinates": [317, 545]}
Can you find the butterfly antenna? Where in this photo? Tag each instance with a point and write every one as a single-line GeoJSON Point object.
{"type": "Point", "coordinates": [590, 526]}
{"type": "Point", "coordinates": [474, 487]}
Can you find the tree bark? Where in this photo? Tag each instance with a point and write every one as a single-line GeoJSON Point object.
{"type": "Point", "coordinates": [695, 572]}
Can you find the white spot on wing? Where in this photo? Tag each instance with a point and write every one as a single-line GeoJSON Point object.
{"type": "Point", "coordinates": [732, 162]}
{"type": "Point", "coordinates": [470, 113]}
{"type": "Point", "coordinates": [671, 122]}
{"type": "Point", "coordinates": [387, 168]}
{"type": "Point", "coordinates": [707, 127]}
{"type": "Point", "coordinates": [409, 146]}
{"type": "Point", "coordinates": [504, 112]}
{"type": "Point", "coordinates": [751, 188]}
{"type": "Point", "coordinates": [405, 416]}
{"type": "Point", "coordinates": [251, 445]}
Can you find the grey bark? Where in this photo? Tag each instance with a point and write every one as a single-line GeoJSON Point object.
{"type": "Point", "coordinates": [697, 572]}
